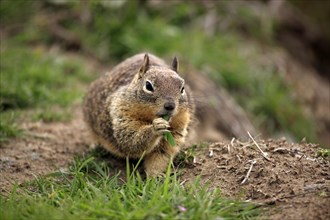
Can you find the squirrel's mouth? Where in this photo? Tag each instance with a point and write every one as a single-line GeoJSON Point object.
{"type": "Point", "coordinates": [165, 113]}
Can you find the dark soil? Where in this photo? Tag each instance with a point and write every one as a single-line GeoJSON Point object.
{"type": "Point", "coordinates": [291, 184]}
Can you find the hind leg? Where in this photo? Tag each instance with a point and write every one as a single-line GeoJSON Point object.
{"type": "Point", "coordinates": [156, 162]}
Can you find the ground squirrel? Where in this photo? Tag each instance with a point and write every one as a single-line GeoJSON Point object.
{"type": "Point", "coordinates": [125, 109]}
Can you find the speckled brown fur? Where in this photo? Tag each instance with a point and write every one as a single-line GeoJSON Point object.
{"type": "Point", "coordinates": [126, 118]}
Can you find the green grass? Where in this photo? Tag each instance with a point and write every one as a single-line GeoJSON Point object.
{"type": "Point", "coordinates": [32, 78]}
{"type": "Point", "coordinates": [87, 191]}
{"type": "Point", "coordinates": [50, 115]}
{"type": "Point", "coordinates": [278, 111]}
{"type": "Point", "coordinates": [36, 79]}
{"type": "Point", "coordinates": [8, 126]}
{"type": "Point", "coordinates": [324, 153]}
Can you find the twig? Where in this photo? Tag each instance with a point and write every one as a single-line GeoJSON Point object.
{"type": "Point", "coordinates": [301, 157]}
{"type": "Point", "coordinates": [281, 150]}
{"type": "Point", "coordinates": [211, 152]}
{"type": "Point", "coordinates": [183, 182]}
{"type": "Point", "coordinates": [232, 141]}
{"type": "Point", "coordinates": [247, 144]}
{"type": "Point", "coordinates": [263, 153]}
{"type": "Point", "coordinates": [249, 171]}
{"type": "Point", "coordinates": [215, 145]}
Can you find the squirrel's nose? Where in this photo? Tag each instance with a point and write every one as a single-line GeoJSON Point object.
{"type": "Point", "coordinates": [169, 106]}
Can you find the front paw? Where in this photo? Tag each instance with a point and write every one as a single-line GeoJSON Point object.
{"type": "Point", "coordinates": [160, 126]}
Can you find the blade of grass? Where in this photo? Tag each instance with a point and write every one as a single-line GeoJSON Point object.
{"type": "Point", "coordinates": [168, 136]}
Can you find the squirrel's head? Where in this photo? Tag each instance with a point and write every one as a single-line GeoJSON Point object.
{"type": "Point", "coordinates": [162, 87]}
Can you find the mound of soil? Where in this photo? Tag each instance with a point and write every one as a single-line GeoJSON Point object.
{"type": "Point", "coordinates": [291, 178]}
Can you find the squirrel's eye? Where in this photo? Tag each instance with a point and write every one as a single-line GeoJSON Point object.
{"type": "Point", "coordinates": [149, 86]}
{"type": "Point", "coordinates": [182, 90]}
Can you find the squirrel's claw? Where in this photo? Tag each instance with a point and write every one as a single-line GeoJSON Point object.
{"type": "Point", "coordinates": [160, 126]}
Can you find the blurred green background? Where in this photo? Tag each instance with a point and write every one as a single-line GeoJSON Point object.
{"type": "Point", "coordinates": [51, 50]}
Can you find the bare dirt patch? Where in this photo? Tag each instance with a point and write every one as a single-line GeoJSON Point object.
{"type": "Point", "coordinates": [290, 181]}
{"type": "Point", "coordinates": [291, 184]}
{"type": "Point", "coordinates": [45, 147]}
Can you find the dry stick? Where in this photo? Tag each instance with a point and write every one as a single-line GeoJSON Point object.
{"type": "Point", "coordinates": [263, 153]}
{"type": "Point", "coordinates": [232, 141]}
{"type": "Point", "coordinates": [183, 182]}
{"type": "Point", "coordinates": [301, 157]}
{"type": "Point", "coordinates": [211, 152]}
{"type": "Point", "coordinates": [249, 171]}
{"type": "Point", "coordinates": [247, 144]}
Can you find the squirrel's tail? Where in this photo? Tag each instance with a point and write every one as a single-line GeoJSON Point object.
{"type": "Point", "coordinates": [218, 115]}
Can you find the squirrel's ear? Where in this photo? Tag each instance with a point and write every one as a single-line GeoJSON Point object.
{"type": "Point", "coordinates": [144, 66]}
{"type": "Point", "coordinates": [175, 64]}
